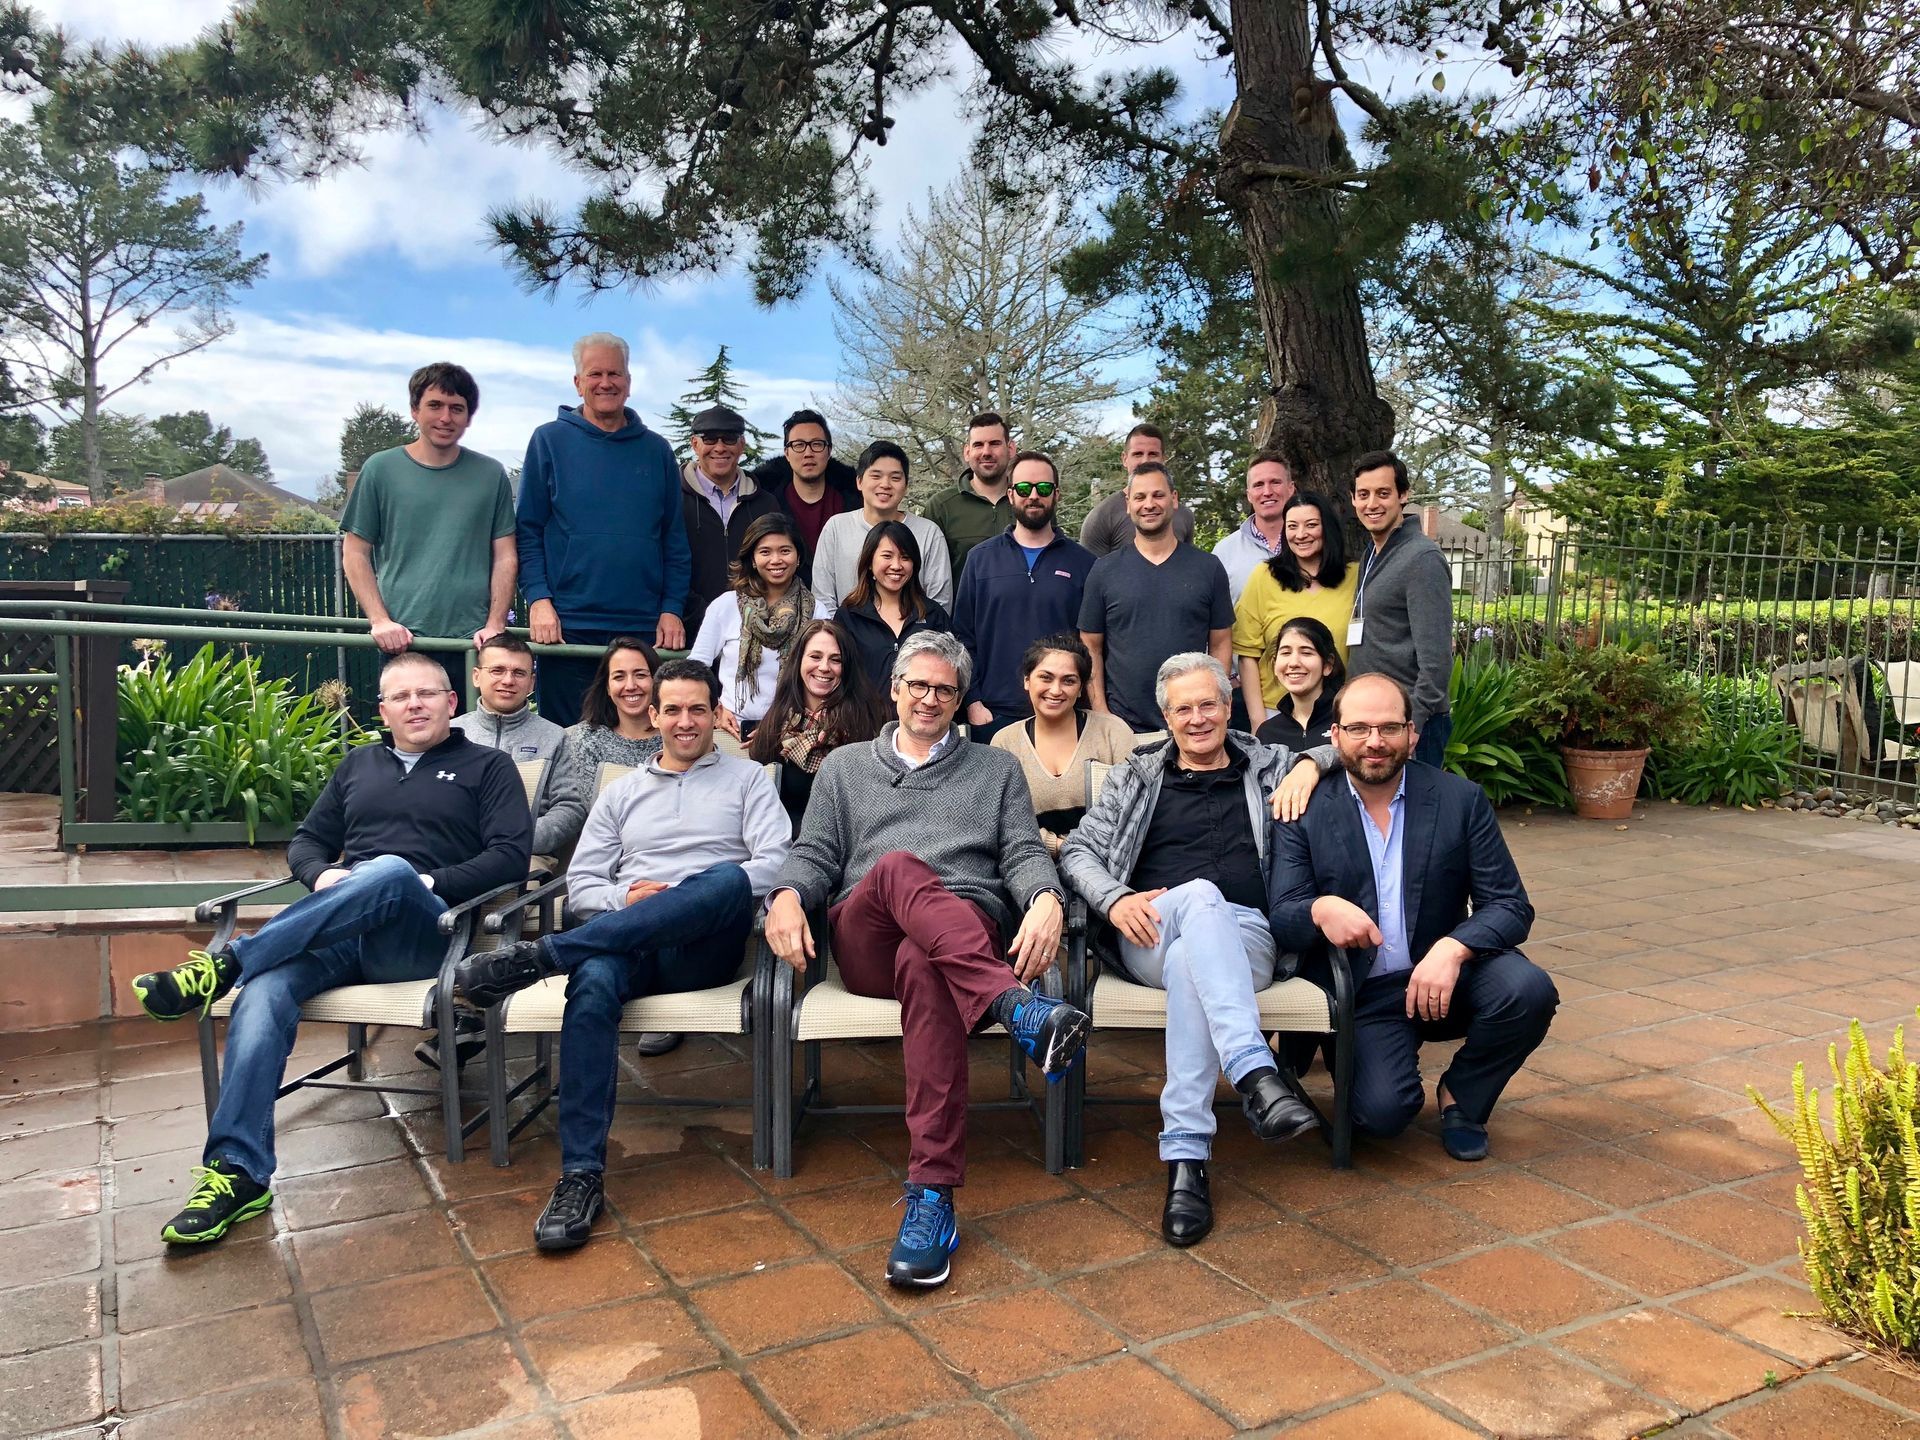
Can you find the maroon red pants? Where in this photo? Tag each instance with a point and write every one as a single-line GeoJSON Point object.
{"type": "Point", "coordinates": [902, 935]}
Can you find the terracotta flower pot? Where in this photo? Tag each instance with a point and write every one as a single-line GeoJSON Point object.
{"type": "Point", "coordinates": [1603, 782]}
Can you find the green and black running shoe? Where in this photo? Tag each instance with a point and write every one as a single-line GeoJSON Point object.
{"type": "Point", "coordinates": [223, 1196]}
{"type": "Point", "coordinates": [179, 992]}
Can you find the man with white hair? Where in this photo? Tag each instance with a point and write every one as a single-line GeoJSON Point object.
{"type": "Point", "coordinates": [603, 546]}
{"type": "Point", "coordinates": [1174, 855]}
{"type": "Point", "coordinates": [940, 895]}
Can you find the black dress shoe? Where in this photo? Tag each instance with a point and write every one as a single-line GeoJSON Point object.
{"type": "Point", "coordinates": [1189, 1212]}
{"type": "Point", "coordinates": [1273, 1110]}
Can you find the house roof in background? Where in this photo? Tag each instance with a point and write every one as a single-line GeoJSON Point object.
{"type": "Point", "coordinates": [214, 485]}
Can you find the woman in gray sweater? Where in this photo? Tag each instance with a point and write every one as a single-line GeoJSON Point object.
{"type": "Point", "coordinates": [616, 728]}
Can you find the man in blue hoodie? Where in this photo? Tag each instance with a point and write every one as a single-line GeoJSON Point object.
{"type": "Point", "coordinates": [603, 548]}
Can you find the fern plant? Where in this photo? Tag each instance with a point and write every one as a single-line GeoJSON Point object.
{"type": "Point", "coordinates": [1860, 1196]}
{"type": "Point", "coordinates": [1490, 746]}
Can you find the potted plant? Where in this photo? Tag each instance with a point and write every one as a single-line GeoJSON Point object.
{"type": "Point", "coordinates": [1603, 705]}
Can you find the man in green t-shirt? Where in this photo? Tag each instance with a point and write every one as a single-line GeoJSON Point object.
{"type": "Point", "coordinates": [427, 538]}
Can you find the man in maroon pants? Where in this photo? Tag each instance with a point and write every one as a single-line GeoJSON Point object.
{"type": "Point", "coordinates": [927, 848]}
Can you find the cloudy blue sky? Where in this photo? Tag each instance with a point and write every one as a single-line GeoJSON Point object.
{"type": "Point", "coordinates": [383, 267]}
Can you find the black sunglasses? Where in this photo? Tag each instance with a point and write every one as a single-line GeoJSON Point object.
{"type": "Point", "coordinates": [719, 437]}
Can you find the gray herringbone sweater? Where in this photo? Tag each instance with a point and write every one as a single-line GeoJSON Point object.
{"type": "Point", "coordinates": [967, 813]}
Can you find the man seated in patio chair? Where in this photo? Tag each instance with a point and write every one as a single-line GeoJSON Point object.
{"type": "Point", "coordinates": [1174, 855]}
{"type": "Point", "coordinates": [668, 868]}
{"type": "Point", "coordinates": [402, 831]}
{"type": "Point", "coordinates": [1387, 865]}
{"type": "Point", "coordinates": [927, 848]}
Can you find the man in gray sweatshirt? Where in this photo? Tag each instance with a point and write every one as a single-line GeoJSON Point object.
{"type": "Point", "coordinates": [503, 679]}
{"type": "Point", "coordinates": [665, 876]}
{"type": "Point", "coordinates": [1402, 624]}
{"type": "Point", "coordinates": [925, 850]}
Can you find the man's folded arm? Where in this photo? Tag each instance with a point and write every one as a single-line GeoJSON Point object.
{"type": "Point", "coordinates": [317, 843]}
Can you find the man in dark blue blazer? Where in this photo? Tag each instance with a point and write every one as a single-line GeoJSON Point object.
{"type": "Point", "coordinates": [1405, 868]}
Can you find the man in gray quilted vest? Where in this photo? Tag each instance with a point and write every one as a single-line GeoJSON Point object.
{"type": "Point", "coordinates": [1174, 854]}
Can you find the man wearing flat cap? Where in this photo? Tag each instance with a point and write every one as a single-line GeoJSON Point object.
{"type": "Point", "coordinates": [719, 501]}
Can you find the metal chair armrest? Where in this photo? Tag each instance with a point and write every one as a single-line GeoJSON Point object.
{"type": "Point", "coordinates": [451, 917]}
{"type": "Point", "coordinates": [497, 922]}
{"type": "Point", "coordinates": [209, 910]}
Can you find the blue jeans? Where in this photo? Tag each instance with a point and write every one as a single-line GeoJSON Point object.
{"type": "Point", "coordinates": [690, 936]}
{"type": "Point", "coordinates": [377, 925]}
{"type": "Point", "coordinates": [1212, 957]}
{"type": "Point", "coordinates": [1432, 748]}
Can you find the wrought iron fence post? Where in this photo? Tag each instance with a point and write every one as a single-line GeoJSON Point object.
{"type": "Point", "coordinates": [1556, 572]}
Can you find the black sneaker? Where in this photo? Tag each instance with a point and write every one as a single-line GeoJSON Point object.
{"type": "Point", "coordinates": [571, 1210]}
{"type": "Point", "coordinates": [658, 1042]}
{"type": "Point", "coordinates": [177, 993]}
{"type": "Point", "coordinates": [223, 1195]}
{"type": "Point", "coordinates": [469, 1039]}
{"type": "Point", "coordinates": [1052, 1033]}
{"type": "Point", "coordinates": [485, 979]}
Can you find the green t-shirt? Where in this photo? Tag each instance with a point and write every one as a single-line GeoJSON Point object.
{"type": "Point", "coordinates": [432, 532]}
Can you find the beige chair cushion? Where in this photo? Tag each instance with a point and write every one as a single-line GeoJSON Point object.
{"type": "Point", "coordinates": [540, 1007]}
{"type": "Point", "coordinates": [1296, 1004]}
{"type": "Point", "coordinates": [1148, 737]}
{"type": "Point", "coordinates": [404, 1002]}
{"type": "Point", "coordinates": [530, 773]}
{"type": "Point", "coordinates": [830, 1011]}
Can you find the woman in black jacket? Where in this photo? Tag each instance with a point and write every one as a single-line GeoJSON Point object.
{"type": "Point", "coordinates": [887, 603]}
{"type": "Point", "coordinates": [1307, 664]}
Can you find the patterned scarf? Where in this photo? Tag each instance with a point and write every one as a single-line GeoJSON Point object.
{"type": "Point", "coordinates": [806, 742]}
{"type": "Point", "coordinates": [763, 625]}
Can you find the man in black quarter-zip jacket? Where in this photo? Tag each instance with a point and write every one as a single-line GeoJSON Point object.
{"type": "Point", "coordinates": [403, 831]}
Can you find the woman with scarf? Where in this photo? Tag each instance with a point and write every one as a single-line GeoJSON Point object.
{"type": "Point", "coordinates": [822, 702]}
{"type": "Point", "coordinates": [745, 642]}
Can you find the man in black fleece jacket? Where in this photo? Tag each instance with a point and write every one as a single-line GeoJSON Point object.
{"type": "Point", "coordinates": [403, 831]}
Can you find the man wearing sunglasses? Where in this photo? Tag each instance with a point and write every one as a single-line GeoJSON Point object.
{"type": "Point", "coordinates": [976, 508]}
{"type": "Point", "coordinates": [1025, 582]}
{"type": "Point", "coordinates": [1404, 869]}
{"type": "Point", "coordinates": [940, 894]}
{"type": "Point", "coordinates": [719, 501]}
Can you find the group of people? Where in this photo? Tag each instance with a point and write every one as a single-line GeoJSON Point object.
{"type": "Point", "coordinates": [1216, 857]}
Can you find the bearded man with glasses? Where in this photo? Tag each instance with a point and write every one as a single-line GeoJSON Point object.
{"type": "Point", "coordinates": [1025, 582]}
{"type": "Point", "coordinates": [941, 896]}
{"type": "Point", "coordinates": [402, 831]}
{"type": "Point", "coordinates": [1403, 875]}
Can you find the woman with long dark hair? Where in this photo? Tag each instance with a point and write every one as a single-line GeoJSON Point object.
{"type": "Point", "coordinates": [616, 728]}
{"type": "Point", "coordinates": [1311, 672]}
{"type": "Point", "coordinates": [821, 701]}
{"type": "Point", "coordinates": [1055, 742]}
{"type": "Point", "coordinates": [745, 637]}
{"type": "Point", "coordinates": [1310, 576]}
{"type": "Point", "coordinates": [887, 602]}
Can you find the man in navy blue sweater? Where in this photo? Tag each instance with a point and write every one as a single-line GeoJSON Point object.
{"type": "Point", "coordinates": [1023, 583]}
{"type": "Point", "coordinates": [603, 545]}
{"type": "Point", "coordinates": [403, 831]}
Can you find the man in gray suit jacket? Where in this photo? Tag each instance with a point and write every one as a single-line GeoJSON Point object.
{"type": "Point", "coordinates": [1404, 868]}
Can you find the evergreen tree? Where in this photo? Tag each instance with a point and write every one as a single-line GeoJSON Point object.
{"type": "Point", "coordinates": [366, 432]}
{"type": "Point", "coordinates": [714, 386]}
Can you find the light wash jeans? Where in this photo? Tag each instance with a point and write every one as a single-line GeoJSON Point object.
{"type": "Point", "coordinates": [377, 925]}
{"type": "Point", "coordinates": [1212, 958]}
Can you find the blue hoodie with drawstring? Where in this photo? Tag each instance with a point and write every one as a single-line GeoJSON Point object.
{"type": "Point", "coordinates": [599, 525]}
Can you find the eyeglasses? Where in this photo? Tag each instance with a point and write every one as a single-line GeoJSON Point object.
{"type": "Point", "coordinates": [920, 689]}
{"type": "Point", "coordinates": [719, 437]}
{"type": "Point", "coordinates": [407, 697]}
{"type": "Point", "coordinates": [501, 672]}
{"type": "Point", "coordinates": [805, 447]}
{"type": "Point", "coordinates": [1024, 488]}
{"type": "Point", "coordinates": [1205, 710]}
{"type": "Point", "coordinates": [1392, 730]}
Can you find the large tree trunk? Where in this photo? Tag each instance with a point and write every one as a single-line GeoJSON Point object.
{"type": "Point", "coordinates": [1323, 410]}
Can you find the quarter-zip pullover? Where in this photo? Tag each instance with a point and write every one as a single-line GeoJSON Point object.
{"type": "Point", "coordinates": [1005, 604]}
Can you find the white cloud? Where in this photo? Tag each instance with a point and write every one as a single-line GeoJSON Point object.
{"type": "Point", "coordinates": [291, 381]}
{"type": "Point", "coordinates": [145, 21]}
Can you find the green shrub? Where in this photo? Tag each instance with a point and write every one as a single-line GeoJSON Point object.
{"type": "Point", "coordinates": [1605, 697]}
{"type": "Point", "coordinates": [1860, 1196]}
{"type": "Point", "coordinates": [1489, 744]}
{"type": "Point", "coordinates": [213, 741]}
{"type": "Point", "coordinates": [1743, 753]}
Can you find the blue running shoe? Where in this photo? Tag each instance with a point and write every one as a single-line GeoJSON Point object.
{"type": "Point", "coordinates": [922, 1256]}
{"type": "Point", "coordinates": [1052, 1033]}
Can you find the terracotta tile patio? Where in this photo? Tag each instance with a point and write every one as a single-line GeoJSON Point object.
{"type": "Point", "coordinates": [1625, 1262]}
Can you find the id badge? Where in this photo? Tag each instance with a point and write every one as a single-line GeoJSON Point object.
{"type": "Point", "coordinates": [1354, 627]}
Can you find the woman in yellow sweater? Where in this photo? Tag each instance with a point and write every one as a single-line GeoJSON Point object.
{"type": "Point", "coordinates": [1310, 576]}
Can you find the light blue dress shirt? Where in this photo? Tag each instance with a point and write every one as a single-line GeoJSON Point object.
{"type": "Point", "coordinates": [1385, 850]}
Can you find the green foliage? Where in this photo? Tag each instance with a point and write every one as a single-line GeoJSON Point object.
{"type": "Point", "coordinates": [1860, 1191]}
{"type": "Point", "coordinates": [1743, 753]}
{"type": "Point", "coordinates": [23, 442]}
{"type": "Point", "coordinates": [1605, 697]}
{"type": "Point", "coordinates": [140, 517]}
{"type": "Point", "coordinates": [714, 385]}
{"type": "Point", "coordinates": [213, 741]}
{"type": "Point", "coordinates": [1491, 745]}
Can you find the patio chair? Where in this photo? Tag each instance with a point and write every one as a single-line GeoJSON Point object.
{"type": "Point", "coordinates": [1292, 1006]}
{"type": "Point", "coordinates": [738, 1007]}
{"type": "Point", "coordinates": [421, 1004]}
{"type": "Point", "coordinates": [809, 1010]}
{"type": "Point", "coordinates": [1823, 699]}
